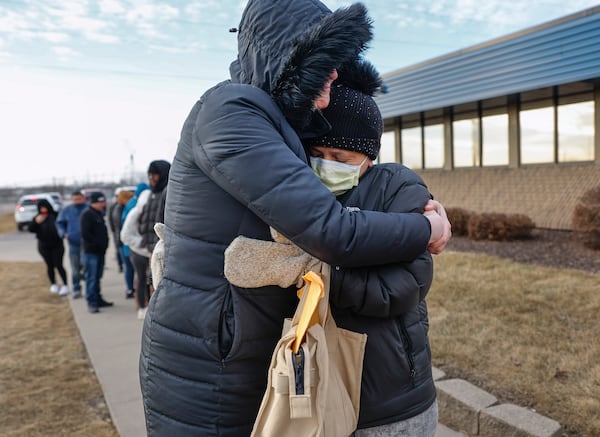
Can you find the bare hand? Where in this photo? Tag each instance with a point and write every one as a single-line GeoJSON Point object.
{"type": "Point", "coordinates": [440, 226]}
{"type": "Point", "coordinates": [40, 218]}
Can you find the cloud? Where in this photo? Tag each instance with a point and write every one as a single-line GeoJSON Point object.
{"type": "Point", "coordinates": [111, 7]}
{"type": "Point", "coordinates": [147, 18]}
{"type": "Point", "coordinates": [64, 52]}
{"type": "Point", "coordinates": [53, 37]}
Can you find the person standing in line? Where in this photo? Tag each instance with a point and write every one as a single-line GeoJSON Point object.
{"type": "Point", "coordinates": [50, 245]}
{"type": "Point", "coordinates": [153, 211]}
{"type": "Point", "coordinates": [240, 167]}
{"type": "Point", "coordinates": [68, 224]}
{"type": "Point", "coordinates": [94, 235]}
{"type": "Point", "coordinates": [117, 221]}
{"type": "Point", "coordinates": [112, 225]}
{"type": "Point", "coordinates": [132, 239]}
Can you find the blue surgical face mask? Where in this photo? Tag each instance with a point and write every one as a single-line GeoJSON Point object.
{"type": "Point", "coordinates": [336, 176]}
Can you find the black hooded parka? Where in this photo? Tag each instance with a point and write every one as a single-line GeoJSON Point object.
{"type": "Point", "coordinates": [239, 168]}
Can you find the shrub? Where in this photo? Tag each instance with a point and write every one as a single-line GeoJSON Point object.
{"type": "Point", "coordinates": [500, 227]}
{"type": "Point", "coordinates": [586, 219]}
{"type": "Point", "coordinates": [459, 219]}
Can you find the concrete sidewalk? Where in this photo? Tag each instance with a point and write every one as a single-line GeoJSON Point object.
{"type": "Point", "coordinates": [112, 339]}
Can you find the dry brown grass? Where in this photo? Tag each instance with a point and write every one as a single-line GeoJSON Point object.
{"type": "Point", "coordinates": [47, 384]}
{"type": "Point", "coordinates": [7, 223]}
{"type": "Point", "coordinates": [528, 334]}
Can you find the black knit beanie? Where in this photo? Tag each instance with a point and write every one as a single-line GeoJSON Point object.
{"type": "Point", "coordinates": [356, 123]}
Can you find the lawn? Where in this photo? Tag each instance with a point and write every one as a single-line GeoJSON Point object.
{"type": "Point", "coordinates": [47, 384]}
{"type": "Point", "coordinates": [527, 334]}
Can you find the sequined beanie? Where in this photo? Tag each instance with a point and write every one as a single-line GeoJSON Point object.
{"type": "Point", "coordinates": [356, 122]}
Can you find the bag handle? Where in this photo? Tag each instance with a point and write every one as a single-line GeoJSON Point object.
{"type": "Point", "coordinates": [308, 316]}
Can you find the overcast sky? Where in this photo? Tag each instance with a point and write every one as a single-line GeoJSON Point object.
{"type": "Point", "coordinates": [87, 85]}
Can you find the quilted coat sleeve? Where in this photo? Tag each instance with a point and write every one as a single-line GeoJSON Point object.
{"type": "Point", "coordinates": [239, 143]}
{"type": "Point", "coordinates": [392, 289]}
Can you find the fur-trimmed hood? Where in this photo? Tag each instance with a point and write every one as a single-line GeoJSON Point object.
{"type": "Point", "coordinates": [288, 48]}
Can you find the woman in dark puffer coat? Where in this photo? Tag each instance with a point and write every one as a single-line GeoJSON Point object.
{"type": "Point", "coordinates": [239, 168]}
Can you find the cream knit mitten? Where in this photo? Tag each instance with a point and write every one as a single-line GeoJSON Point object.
{"type": "Point", "coordinates": [251, 263]}
{"type": "Point", "coordinates": [157, 260]}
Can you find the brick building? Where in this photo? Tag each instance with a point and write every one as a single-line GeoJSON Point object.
{"type": "Point", "coordinates": [510, 125]}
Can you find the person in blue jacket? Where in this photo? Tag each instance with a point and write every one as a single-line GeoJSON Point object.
{"type": "Point", "coordinates": [240, 167]}
{"type": "Point", "coordinates": [68, 224]}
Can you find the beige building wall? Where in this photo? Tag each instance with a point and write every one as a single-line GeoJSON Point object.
{"type": "Point", "coordinates": [547, 194]}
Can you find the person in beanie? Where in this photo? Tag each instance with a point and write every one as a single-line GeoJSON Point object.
{"type": "Point", "coordinates": [240, 168]}
{"type": "Point", "coordinates": [387, 303]}
{"type": "Point", "coordinates": [94, 235]}
{"type": "Point", "coordinates": [153, 212]}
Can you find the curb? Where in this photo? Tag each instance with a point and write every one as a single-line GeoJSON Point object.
{"type": "Point", "coordinates": [475, 412]}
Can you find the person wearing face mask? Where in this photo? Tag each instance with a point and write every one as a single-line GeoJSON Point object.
{"type": "Point", "coordinates": [387, 303]}
{"type": "Point", "coordinates": [206, 343]}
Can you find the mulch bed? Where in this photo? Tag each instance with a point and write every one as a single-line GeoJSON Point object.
{"type": "Point", "coordinates": [548, 248]}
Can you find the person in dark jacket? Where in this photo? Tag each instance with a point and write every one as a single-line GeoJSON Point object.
{"type": "Point", "coordinates": [112, 227]}
{"type": "Point", "coordinates": [50, 245]}
{"type": "Point", "coordinates": [94, 236]}
{"type": "Point", "coordinates": [152, 213]}
{"type": "Point", "coordinates": [68, 224]}
{"type": "Point", "coordinates": [240, 167]}
{"type": "Point", "coordinates": [387, 303]}
{"type": "Point", "coordinates": [116, 213]}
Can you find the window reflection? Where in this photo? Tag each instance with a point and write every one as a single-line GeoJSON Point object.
{"type": "Point", "coordinates": [411, 148]}
{"type": "Point", "coordinates": [495, 139]}
{"type": "Point", "coordinates": [576, 132]}
{"type": "Point", "coordinates": [434, 146]}
{"type": "Point", "coordinates": [537, 135]}
{"type": "Point", "coordinates": [466, 143]}
{"type": "Point", "coordinates": [387, 153]}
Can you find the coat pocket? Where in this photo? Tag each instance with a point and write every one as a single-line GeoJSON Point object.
{"type": "Point", "coordinates": [226, 326]}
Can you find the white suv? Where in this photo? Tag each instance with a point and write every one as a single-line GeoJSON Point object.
{"type": "Point", "coordinates": [26, 208]}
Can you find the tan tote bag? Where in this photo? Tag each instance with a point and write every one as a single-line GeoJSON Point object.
{"type": "Point", "coordinates": [314, 379]}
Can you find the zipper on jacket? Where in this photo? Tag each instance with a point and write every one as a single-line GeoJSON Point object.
{"type": "Point", "coordinates": [298, 364]}
{"type": "Point", "coordinates": [408, 347]}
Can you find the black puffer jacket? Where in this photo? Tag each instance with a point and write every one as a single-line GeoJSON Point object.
{"type": "Point", "coordinates": [387, 303]}
{"type": "Point", "coordinates": [239, 168]}
{"type": "Point", "coordinates": [154, 209]}
{"type": "Point", "coordinates": [94, 233]}
{"type": "Point", "coordinates": [46, 232]}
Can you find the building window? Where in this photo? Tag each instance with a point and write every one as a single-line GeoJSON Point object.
{"type": "Point", "coordinates": [466, 143]}
{"type": "Point", "coordinates": [576, 132]}
{"type": "Point", "coordinates": [434, 146]}
{"type": "Point", "coordinates": [412, 155]}
{"type": "Point", "coordinates": [387, 152]}
{"type": "Point", "coordinates": [494, 140]}
{"type": "Point", "coordinates": [537, 135]}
